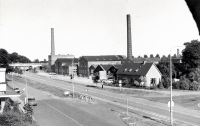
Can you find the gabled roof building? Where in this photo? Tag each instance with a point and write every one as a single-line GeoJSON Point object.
{"type": "Point", "coordinates": [86, 61]}
{"type": "Point", "coordinates": [64, 65]}
{"type": "Point", "coordinates": [134, 71]}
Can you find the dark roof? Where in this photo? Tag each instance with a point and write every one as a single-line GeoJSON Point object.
{"type": "Point", "coordinates": [134, 69]}
{"type": "Point", "coordinates": [103, 58]}
{"type": "Point", "coordinates": [117, 66]}
{"type": "Point", "coordinates": [123, 61]}
{"type": "Point", "coordinates": [94, 66]}
{"type": "Point", "coordinates": [106, 67]}
{"type": "Point", "coordinates": [177, 60]}
{"type": "Point", "coordinates": [148, 60]}
{"type": "Point", "coordinates": [65, 60]}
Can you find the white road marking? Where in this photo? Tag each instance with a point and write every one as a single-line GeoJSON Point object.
{"type": "Point", "coordinates": [63, 113]}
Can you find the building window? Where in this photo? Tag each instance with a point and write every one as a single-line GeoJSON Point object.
{"type": "Point", "coordinates": [92, 71]}
{"type": "Point", "coordinates": [153, 80]}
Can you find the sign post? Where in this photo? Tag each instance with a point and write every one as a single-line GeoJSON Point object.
{"type": "Point", "coordinates": [171, 105]}
{"type": "Point", "coordinates": [120, 84]}
{"type": "Point", "coordinates": [127, 106]}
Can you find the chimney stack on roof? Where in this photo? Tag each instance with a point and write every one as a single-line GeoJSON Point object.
{"type": "Point", "coordinates": [129, 41]}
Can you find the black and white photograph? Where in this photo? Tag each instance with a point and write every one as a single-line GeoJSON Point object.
{"type": "Point", "coordinates": [99, 62]}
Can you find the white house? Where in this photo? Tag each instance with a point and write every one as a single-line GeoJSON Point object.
{"type": "Point", "coordinates": [134, 71]}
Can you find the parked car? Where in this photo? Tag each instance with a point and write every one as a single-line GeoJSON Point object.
{"type": "Point", "coordinates": [109, 81]}
{"type": "Point", "coordinates": [17, 90]}
{"type": "Point", "coordinates": [32, 102]}
{"type": "Point", "coordinates": [51, 73]}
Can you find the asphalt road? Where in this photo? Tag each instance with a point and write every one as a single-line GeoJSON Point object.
{"type": "Point", "coordinates": [152, 109]}
{"type": "Point", "coordinates": [63, 114]}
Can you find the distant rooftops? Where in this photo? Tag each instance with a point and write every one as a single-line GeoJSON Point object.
{"type": "Point", "coordinates": [148, 60]}
{"type": "Point", "coordinates": [64, 60]}
{"type": "Point", "coordinates": [104, 58]}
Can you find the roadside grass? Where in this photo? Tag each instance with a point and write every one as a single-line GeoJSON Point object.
{"type": "Point", "coordinates": [53, 90]}
{"type": "Point", "coordinates": [47, 88]}
{"type": "Point", "coordinates": [187, 101]}
{"type": "Point", "coordinates": [139, 120]}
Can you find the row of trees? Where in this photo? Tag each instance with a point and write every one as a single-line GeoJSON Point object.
{"type": "Point", "coordinates": [157, 56]}
{"type": "Point", "coordinates": [187, 72]}
{"type": "Point", "coordinates": [6, 58]}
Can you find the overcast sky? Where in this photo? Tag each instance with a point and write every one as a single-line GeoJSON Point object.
{"type": "Point", "coordinates": [94, 27]}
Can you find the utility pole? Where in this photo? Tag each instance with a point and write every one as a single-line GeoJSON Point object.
{"type": "Point", "coordinates": [127, 106]}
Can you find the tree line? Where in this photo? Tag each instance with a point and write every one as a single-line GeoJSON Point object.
{"type": "Point", "coordinates": [7, 58]}
{"type": "Point", "coordinates": [188, 72]}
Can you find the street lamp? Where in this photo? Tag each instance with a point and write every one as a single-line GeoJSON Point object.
{"type": "Point", "coordinates": [26, 98]}
{"type": "Point", "coordinates": [171, 113]}
{"type": "Point", "coordinates": [72, 75]}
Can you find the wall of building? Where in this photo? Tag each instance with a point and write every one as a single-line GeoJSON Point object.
{"type": "Point", "coordinates": [153, 73]}
{"type": "Point", "coordinates": [55, 57]}
{"type": "Point", "coordinates": [103, 62]}
{"type": "Point", "coordinates": [2, 80]}
{"type": "Point", "coordinates": [83, 67]}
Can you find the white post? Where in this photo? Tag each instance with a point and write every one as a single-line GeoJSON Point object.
{"type": "Point", "coordinates": [127, 106]}
{"type": "Point", "coordinates": [12, 81]}
{"type": "Point", "coordinates": [26, 90]}
{"type": "Point", "coordinates": [72, 76]}
{"type": "Point", "coordinates": [171, 111]}
{"type": "Point", "coordinates": [171, 118]}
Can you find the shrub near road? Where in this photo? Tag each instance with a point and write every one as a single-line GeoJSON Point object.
{"type": "Point", "coordinates": [12, 116]}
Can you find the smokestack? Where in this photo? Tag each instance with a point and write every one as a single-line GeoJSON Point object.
{"type": "Point", "coordinates": [129, 41]}
{"type": "Point", "coordinates": [178, 55]}
{"type": "Point", "coordinates": [52, 42]}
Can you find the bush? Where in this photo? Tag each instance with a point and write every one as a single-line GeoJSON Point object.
{"type": "Point", "coordinates": [136, 83]}
{"type": "Point", "coordinates": [160, 85]}
{"type": "Point", "coordinates": [7, 106]}
{"type": "Point", "coordinates": [28, 112]}
{"type": "Point", "coordinates": [166, 81]}
{"type": "Point", "coordinates": [194, 85]}
{"type": "Point", "coordinates": [176, 85]}
{"type": "Point", "coordinates": [13, 117]}
{"type": "Point", "coordinates": [185, 83]}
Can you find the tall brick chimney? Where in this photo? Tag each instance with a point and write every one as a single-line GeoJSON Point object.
{"type": "Point", "coordinates": [178, 55]}
{"type": "Point", "coordinates": [129, 41]}
{"type": "Point", "coordinates": [52, 42]}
